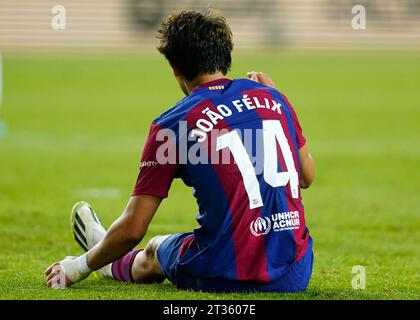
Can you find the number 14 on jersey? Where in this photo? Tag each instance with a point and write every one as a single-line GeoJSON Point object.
{"type": "Point", "coordinates": [273, 133]}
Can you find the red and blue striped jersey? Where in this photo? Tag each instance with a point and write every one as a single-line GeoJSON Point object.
{"type": "Point", "coordinates": [235, 143]}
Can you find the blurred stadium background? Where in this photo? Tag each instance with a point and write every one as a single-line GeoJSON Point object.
{"type": "Point", "coordinates": [77, 104]}
{"type": "Point", "coordinates": [131, 23]}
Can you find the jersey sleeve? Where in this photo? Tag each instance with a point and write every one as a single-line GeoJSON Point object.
{"type": "Point", "coordinates": [300, 138]}
{"type": "Point", "coordinates": [156, 175]}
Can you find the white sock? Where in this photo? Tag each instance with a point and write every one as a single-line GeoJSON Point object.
{"type": "Point", "coordinates": [105, 272]}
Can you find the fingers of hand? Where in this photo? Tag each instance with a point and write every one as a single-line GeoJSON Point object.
{"type": "Point", "coordinates": [252, 75]}
{"type": "Point", "coordinates": [56, 278]}
{"type": "Point", "coordinates": [259, 77]}
{"type": "Point", "coordinates": [264, 79]}
{"type": "Point", "coordinates": [49, 269]}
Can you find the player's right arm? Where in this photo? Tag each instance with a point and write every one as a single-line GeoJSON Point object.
{"type": "Point", "coordinates": [126, 232]}
{"type": "Point", "coordinates": [123, 235]}
{"type": "Point", "coordinates": [153, 183]}
{"type": "Point", "coordinates": [152, 186]}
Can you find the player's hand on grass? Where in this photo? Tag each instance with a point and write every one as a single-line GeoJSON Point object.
{"type": "Point", "coordinates": [62, 274]}
{"type": "Point", "coordinates": [261, 78]}
{"type": "Point", "coordinates": [56, 278]}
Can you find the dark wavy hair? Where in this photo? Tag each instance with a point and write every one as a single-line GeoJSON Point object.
{"type": "Point", "coordinates": [196, 43]}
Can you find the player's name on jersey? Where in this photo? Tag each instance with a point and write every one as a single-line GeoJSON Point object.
{"type": "Point", "coordinates": [189, 145]}
{"type": "Point", "coordinates": [212, 115]}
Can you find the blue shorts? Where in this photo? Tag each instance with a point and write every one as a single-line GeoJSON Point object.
{"type": "Point", "coordinates": [295, 280]}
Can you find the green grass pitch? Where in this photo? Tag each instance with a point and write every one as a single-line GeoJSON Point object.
{"type": "Point", "coordinates": [76, 128]}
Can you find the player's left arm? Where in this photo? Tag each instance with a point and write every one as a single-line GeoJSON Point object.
{"type": "Point", "coordinates": [123, 235]}
{"type": "Point", "coordinates": [307, 170]}
{"type": "Point", "coordinates": [307, 163]}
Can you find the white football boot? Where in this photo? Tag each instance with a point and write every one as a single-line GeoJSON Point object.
{"type": "Point", "coordinates": [88, 231]}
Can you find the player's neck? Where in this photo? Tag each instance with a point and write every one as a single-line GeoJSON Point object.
{"type": "Point", "coordinates": [199, 81]}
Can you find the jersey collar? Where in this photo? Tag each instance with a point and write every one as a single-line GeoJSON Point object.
{"type": "Point", "coordinates": [211, 83]}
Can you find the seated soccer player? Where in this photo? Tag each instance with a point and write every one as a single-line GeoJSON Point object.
{"type": "Point", "coordinates": [239, 145]}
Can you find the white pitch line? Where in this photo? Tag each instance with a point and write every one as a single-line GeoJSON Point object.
{"type": "Point", "coordinates": [99, 193]}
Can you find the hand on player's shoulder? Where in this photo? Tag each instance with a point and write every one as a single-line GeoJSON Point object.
{"type": "Point", "coordinates": [262, 78]}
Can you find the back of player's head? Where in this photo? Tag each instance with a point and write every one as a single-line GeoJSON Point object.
{"type": "Point", "coordinates": [196, 43]}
